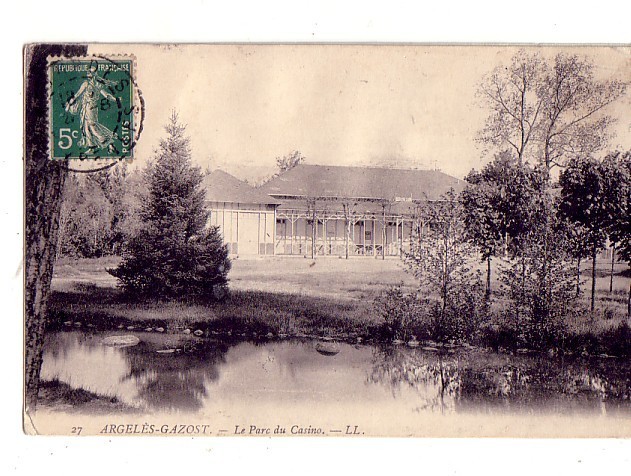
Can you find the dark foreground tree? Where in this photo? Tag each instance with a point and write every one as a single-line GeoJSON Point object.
{"type": "Point", "coordinates": [44, 181]}
{"type": "Point", "coordinates": [174, 254]}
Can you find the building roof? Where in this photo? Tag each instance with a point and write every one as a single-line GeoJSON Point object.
{"type": "Point", "coordinates": [320, 181]}
{"type": "Point", "coordinates": [223, 187]}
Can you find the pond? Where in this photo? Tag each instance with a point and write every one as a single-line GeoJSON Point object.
{"type": "Point", "coordinates": [394, 389]}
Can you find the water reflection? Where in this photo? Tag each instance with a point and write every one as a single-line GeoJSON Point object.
{"type": "Point", "coordinates": [209, 376]}
{"type": "Point", "coordinates": [434, 378]}
{"type": "Point", "coordinates": [138, 376]}
{"type": "Point", "coordinates": [468, 381]}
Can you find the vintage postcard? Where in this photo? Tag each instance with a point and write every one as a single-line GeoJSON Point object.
{"type": "Point", "coordinates": [327, 240]}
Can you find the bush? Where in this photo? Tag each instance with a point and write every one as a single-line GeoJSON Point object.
{"type": "Point", "coordinates": [407, 315]}
{"type": "Point", "coordinates": [399, 311]}
{"type": "Point", "coordinates": [617, 341]}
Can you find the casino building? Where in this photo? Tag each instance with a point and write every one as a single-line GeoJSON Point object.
{"type": "Point", "coordinates": [317, 210]}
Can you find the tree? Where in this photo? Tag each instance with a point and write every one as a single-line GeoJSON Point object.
{"type": "Point", "coordinates": [43, 185]}
{"type": "Point", "coordinates": [440, 260]}
{"type": "Point", "coordinates": [98, 213]}
{"type": "Point", "coordinates": [174, 254]}
{"type": "Point", "coordinates": [548, 111]}
{"type": "Point", "coordinates": [484, 220]}
{"type": "Point", "coordinates": [590, 198]}
{"type": "Point", "coordinates": [539, 282]}
{"type": "Point", "coordinates": [289, 161]}
{"type": "Point", "coordinates": [620, 227]}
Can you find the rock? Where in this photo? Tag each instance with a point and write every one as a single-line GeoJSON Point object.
{"type": "Point", "coordinates": [91, 326]}
{"type": "Point", "coordinates": [282, 336]}
{"type": "Point", "coordinates": [359, 340]}
{"type": "Point", "coordinates": [121, 340]}
{"type": "Point", "coordinates": [67, 323]}
{"type": "Point", "coordinates": [327, 348]}
{"type": "Point", "coordinates": [149, 329]}
{"type": "Point", "coordinates": [269, 335]}
{"type": "Point", "coordinates": [413, 343]}
{"type": "Point", "coordinates": [120, 326]}
{"type": "Point", "coordinates": [131, 328]}
{"type": "Point", "coordinates": [159, 329]}
{"type": "Point", "coordinates": [397, 342]}
{"type": "Point", "coordinates": [198, 333]}
{"type": "Point", "coordinates": [166, 351]}
{"type": "Point", "coordinates": [186, 331]}
{"type": "Point", "coordinates": [77, 324]}
{"type": "Point", "coordinates": [429, 349]}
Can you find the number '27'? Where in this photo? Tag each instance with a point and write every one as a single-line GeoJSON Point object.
{"type": "Point", "coordinates": [76, 430]}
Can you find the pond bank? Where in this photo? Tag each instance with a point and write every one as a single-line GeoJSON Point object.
{"type": "Point", "coordinates": [262, 315]}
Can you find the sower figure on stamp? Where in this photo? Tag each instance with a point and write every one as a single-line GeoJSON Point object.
{"type": "Point", "coordinates": [86, 102]}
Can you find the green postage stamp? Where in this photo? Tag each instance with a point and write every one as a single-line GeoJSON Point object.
{"type": "Point", "coordinates": [92, 108]}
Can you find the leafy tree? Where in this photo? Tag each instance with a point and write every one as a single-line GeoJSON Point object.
{"type": "Point", "coordinates": [548, 111]}
{"type": "Point", "coordinates": [485, 217]}
{"type": "Point", "coordinates": [98, 213]}
{"type": "Point", "coordinates": [590, 198]}
{"type": "Point", "coordinates": [440, 260]}
{"type": "Point", "coordinates": [575, 235]}
{"type": "Point", "coordinates": [615, 171]}
{"type": "Point", "coordinates": [538, 282]}
{"type": "Point", "coordinates": [620, 227]}
{"type": "Point", "coordinates": [499, 206]}
{"type": "Point", "coordinates": [174, 254]}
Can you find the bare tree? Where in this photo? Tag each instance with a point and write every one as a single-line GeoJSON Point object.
{"type": "Point", "coordinates": [548, 111]}
{"type": "Point", "coordinates": [289, 161]}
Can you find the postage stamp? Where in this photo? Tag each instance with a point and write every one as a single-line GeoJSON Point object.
{"type": "Point", "coordinates": [92, 108]}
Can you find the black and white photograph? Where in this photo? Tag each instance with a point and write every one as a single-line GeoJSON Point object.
{"type": "Point", "coordinates": [327, 240]}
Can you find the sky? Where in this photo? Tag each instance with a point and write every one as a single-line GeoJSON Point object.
{"type": "Point", "coordinates": [395, 105]}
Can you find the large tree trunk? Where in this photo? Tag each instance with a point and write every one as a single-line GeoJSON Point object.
{"type": "Point", "coordinates": [44, 182]}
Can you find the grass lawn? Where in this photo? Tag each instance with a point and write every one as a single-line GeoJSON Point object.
{"type": "Point", "coordinates": [326, 297]}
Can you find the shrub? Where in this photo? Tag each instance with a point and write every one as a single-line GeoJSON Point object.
{"type": "Point", "coordinates": [400, 312]}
